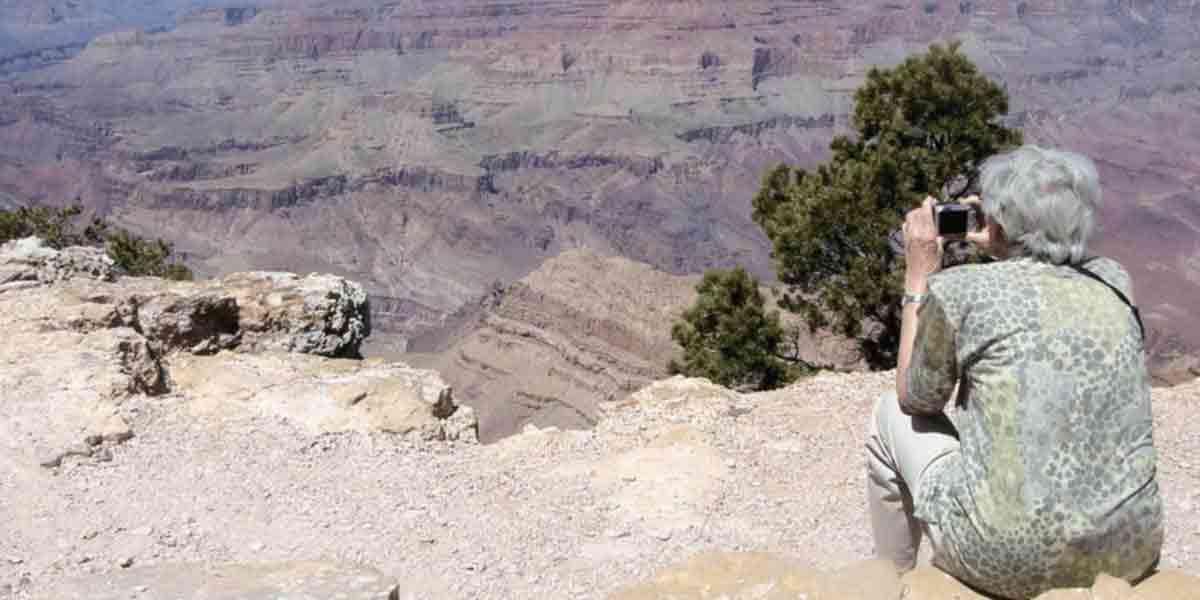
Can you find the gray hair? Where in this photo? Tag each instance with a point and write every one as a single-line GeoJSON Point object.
{"type": "Point", "coordinates": [1045, 200]}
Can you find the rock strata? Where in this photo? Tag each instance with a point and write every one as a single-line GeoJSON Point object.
{"type": "Point", "coordinates": [469, 142]}
{"type": "Point", "coordinates": [580, 331]}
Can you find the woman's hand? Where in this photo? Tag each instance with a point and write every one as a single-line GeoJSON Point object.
{"type": "Point", "coordinates": [981, 236]}
{"type": "Point", "coordinates": [922, 246]}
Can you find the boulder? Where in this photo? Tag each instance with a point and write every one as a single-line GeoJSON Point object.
{"type": "Point", "coordinates": [261, 581]}
{"type": "Point", "coordinates": [257, 311]}
{"type": "Point", "coordinates": [316, 314]}
{"type": "Point", "coordinates": [30, 261]}
{"type": "Point", "coordinates": [185, 318]}
{"type": "Point", "coordinates": [322, 395]}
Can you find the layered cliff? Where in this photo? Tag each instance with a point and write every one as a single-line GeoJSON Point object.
{"type": "Point", "coordinates": [580, 332]}
{"type": "Point", "coordinates": [430, 149]}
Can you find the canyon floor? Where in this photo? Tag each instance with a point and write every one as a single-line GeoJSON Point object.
{"type": "Point", "coordinates": [679, 468]}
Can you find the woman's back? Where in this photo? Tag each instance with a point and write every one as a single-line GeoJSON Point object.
{"type": "Point", "coordinates": [1055, 478]}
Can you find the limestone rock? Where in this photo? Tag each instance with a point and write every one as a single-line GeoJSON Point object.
{"type": "Point", "coordinates": [929, 583]}
{"type": "Point", "coordinates": [726, 575]}
{"type": "Point", "coordinates": [321, 394]}
{"type": "Point", "coordinates": [199, 321]}
{"type": "Point", "coordinates": [30, 260]}
{"type": "Point", "coordinates": [1107, 587]}
{"type": "Point", "coordinates": [865, 580]}
{"type": "Point", "coordinates": [764, 576]}
{"type": "Point", "coordinates": [462, 425]}
{"type": "Point", "coordinates": [171, 316]}
{"type": "Point", "coordinates": [1066, 594]}
{"type": "Point", "coordinates": [317, 314]}
{"type": "Point", "coordinates": [1168, 585]}
{"type": "Point", "coordinates": [261, 581]}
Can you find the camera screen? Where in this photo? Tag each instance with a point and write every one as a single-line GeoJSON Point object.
{"type": "Point", "coordinates": [952, 222]}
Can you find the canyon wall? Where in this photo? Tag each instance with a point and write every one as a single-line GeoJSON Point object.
{"type": "Point", "coordinates": [434, 149]}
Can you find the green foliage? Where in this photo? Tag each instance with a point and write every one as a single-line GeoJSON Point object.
{"type": "Point", "coordinates": [727, 336]}
{"type": "Point", "coordinates": [141, 257]}
{"type": "Point", "coordinates": [57, 227]}
{"type": "Point", "coordinates": [922, 128]}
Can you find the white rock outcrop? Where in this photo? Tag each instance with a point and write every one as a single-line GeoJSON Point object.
{"type": "Point", "coordinates": [80, 343]}
{"type": "Point", "coordinates": [29, 261]}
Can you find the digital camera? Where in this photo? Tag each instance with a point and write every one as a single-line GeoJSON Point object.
{"type": "Point", "coordinates": [956, 219]}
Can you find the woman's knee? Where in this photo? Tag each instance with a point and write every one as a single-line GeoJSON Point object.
{"type": "Point", "coordinates": [883, 413]}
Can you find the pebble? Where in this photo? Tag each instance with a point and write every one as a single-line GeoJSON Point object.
{"type": "Point", "coordinates": [258, 546]}
{"type": "Point", "coordinates": [14, 560]}
{"type": "Point", "coordinates": [126, 562]}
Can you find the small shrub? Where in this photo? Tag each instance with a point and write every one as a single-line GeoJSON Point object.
{"type": "Point", "coordinates": [728, 337]}
{"type": "Point", "coordinates": [57, 227]}
{"type": "Point", "coordinates": [142, 257]}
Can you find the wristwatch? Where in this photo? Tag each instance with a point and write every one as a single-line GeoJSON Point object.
{"type": "Point", "coordinates": [911, 299]}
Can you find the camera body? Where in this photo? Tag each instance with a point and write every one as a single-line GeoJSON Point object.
{"type": "Point", "coordinates": [956, 220]}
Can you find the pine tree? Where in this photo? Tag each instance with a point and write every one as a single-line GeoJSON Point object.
{"type": "Point", "coordinates": [921, 128]}
{"type": "Point", "coordinates": [728, 337]}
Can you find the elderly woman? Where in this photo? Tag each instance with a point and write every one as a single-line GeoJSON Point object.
{"type": "Point", "coordinates": [1043, 475]}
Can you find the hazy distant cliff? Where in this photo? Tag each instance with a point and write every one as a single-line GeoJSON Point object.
{"type": "Point", "coordinates": [430, 149]}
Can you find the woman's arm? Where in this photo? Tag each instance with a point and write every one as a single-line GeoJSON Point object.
{"type": "Point", "coordinates": [923, 257]}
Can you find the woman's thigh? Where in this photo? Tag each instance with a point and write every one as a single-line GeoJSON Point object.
{"type": "Point", "coordinates": [914, 442]}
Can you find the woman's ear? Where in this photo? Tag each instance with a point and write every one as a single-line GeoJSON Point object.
{"type": "Point", "coordinates": [992, 240]}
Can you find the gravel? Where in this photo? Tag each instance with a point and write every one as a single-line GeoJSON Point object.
{"type": "Point", "coordinates": [524, 518]}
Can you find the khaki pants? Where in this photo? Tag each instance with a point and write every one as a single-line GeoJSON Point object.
{"type": "Point", "coordinates": [899, 449]}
